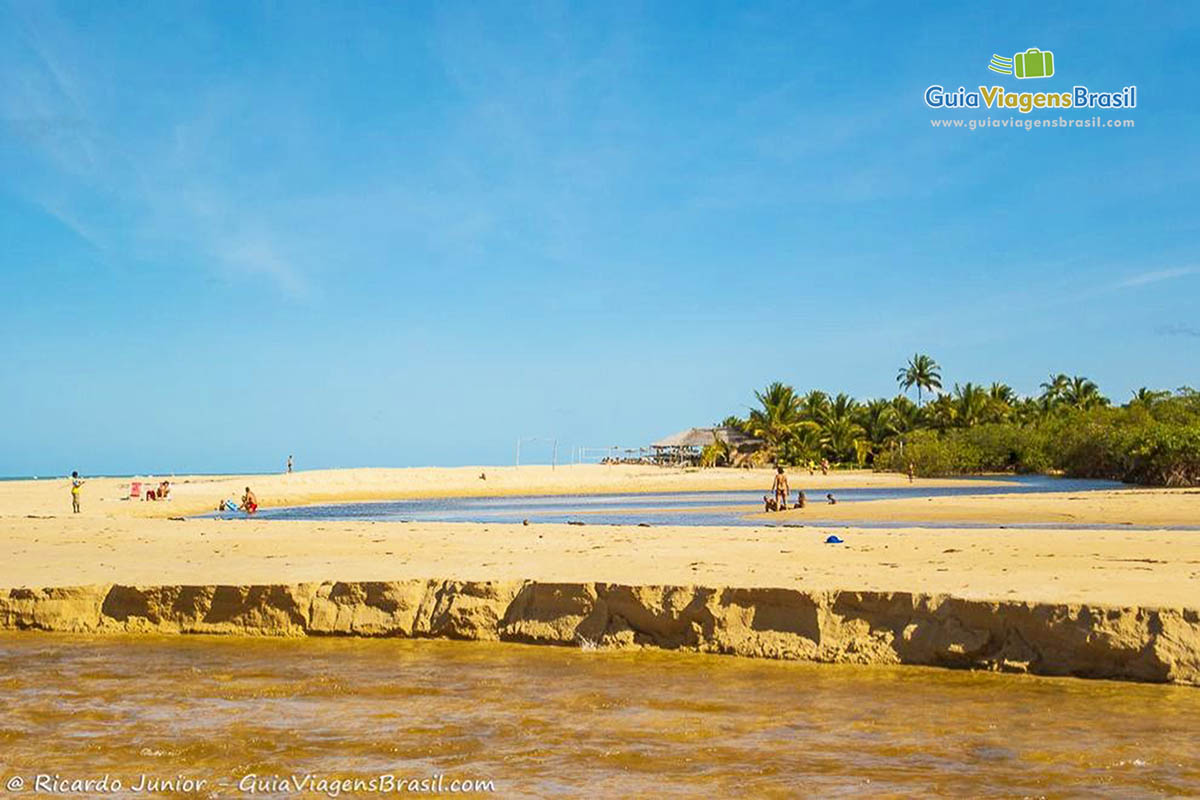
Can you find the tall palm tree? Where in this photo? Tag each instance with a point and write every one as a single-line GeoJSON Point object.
{"type": "Point", "coordinates": [922, 372]}
{"type": "Point", "coordinates": [778, 417]}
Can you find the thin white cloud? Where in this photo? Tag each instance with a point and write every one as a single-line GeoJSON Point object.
{"type": "Point", "coordinates": [1155, 276]}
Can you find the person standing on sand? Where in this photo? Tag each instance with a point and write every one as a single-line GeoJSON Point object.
{"type": "Point", "coordinates": [76, 482]}
{"type": "Point", "coordinates": [911, 471]}
{"type": "Point", "coordinates": [780, 487]}
{"type": "Point", "coordinates": [289, 465]}
{"type": "Point", "coordinates": [249, 502]}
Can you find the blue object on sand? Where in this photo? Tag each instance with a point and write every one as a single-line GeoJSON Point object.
{"type": "Point", "coordinates": [833, 539]}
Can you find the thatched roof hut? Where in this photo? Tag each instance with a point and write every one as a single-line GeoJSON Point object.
{"type": "Point", "coordinates": [686, 445]}
{"type": "Point", "coordinates": [699, 437]}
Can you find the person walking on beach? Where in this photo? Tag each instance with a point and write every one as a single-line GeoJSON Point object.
{"type": "Point", "coordinates": [911, 471]}
{"type": "Point", "coordinates": [76, 482]}
{"type": "Point", "coordinates": [249, 502]}
{"type": "Point", "coordinates": [780, 487]}
{"type": "Point", "coordinates": [289, 465]}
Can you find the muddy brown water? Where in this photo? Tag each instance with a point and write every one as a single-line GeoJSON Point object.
{"type": "Point", "coordinates": [559, 722]}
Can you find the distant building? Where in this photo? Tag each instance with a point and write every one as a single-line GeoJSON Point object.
{"type": "Point", "coordinates": [684, 447]}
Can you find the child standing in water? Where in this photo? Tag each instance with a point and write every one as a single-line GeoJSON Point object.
{"type": "Point", "coordinates": [76, 482]}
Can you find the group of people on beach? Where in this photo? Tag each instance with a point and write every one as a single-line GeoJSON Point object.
{"type": "Point", "coordinates": [778, 499]}
{"type": "Point", "coordinates": [161, 493]}
{"type": "Point", "coordinates": [249, 503]}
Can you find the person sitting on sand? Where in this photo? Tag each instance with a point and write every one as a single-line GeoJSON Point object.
{"type": "Point", "coordinates": [164, 489]}
{"type": "Point", "coordinates": [780, 487]}
{"type": "Point", "coordinates": [76, 482]}
{"type": "Point", "coordinates": [249, 502]}
{"type": "Point", "coordinates": [769, 503]}
{"type": "Point", "coordinates": [832, 500]}
{"type": "Point", "coordinates": [800, 498]}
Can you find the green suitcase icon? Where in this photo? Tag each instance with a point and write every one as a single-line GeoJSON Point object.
{"type": "Point", "coordinates": [1033, 63]}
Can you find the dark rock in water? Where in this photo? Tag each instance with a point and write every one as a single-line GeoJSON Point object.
{"type": "Point", "coordinates": [574, 522]}
{"type": "Point", "coordinates": [524, 522]}
{"type": "Point", "coordinates": [643, 524]}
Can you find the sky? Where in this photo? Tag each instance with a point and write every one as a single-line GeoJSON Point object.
{"type": "Point", "coordinates": [403, 234]}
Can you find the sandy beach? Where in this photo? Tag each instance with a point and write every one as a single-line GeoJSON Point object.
{"type": "Point", "coordinates": [1164, 508]}
{"type": "Point", "coordinates": [196, 494]}
{"type": "Point", "coordinates": [117, 542]}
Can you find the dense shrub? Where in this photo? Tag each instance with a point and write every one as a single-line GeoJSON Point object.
{"type": "Point", "coordinates": [1158, 446]}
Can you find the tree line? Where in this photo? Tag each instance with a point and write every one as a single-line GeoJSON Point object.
{"type": "Point", "coordinates": [1070, 426]}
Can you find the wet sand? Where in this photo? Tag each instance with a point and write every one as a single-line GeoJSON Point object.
{"type": "Point", "coordinates": [1165, 508]}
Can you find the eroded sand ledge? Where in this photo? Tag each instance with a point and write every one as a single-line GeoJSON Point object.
{"type": "Point", "coordinates": [1143, 644]}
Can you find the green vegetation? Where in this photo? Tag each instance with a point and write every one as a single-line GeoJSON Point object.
{"type": "Point", "coordinates": [1070, 427]}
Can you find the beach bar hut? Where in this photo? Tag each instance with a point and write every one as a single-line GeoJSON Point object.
{"type": "Point", "coordinates": [684, 447]}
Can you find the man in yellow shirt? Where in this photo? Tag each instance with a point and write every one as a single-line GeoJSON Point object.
{"type": "Point", "coordinates": [75, 484]}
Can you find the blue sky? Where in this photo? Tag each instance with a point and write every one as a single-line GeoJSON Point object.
{"type": "Point", "coordinates": [405, 234]}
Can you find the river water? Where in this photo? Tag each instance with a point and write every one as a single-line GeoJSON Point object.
{"type": "Point", "coordinates": [673, 508]}
{"type": "Point", "coordinates": [556, 722]}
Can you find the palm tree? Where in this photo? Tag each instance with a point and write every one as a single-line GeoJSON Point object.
{"type": "Point", "coordinates": [906, 416]}
{"type": "Point", "coordinates": [1001, 398]}
{"type": "Point", "coordinates": [839, 430]}
{"type": "Point", "coordinates": [778, 418]}
{"type": "Point", "coordinates": [971, 404]}
{"type": "Point", "coordinates": [839, 435]}
{"type": "Point", "coordinates": [877, 418]}
{"type": "Point", "coordinates": [1083, 394]}
{"type": "Point", "coordinates": [1148, 398]}
{"type": "Point", "coordinates": [737, 423]}
{"type": "Point", "coordinates": [922, 372]}
{"type": "Point", "coordinates": [1026, 410]}
{"type": "Point", "coordinates": [814, 405]}
{"type": "Point", "coordinates": [941, 412]}
{"type": "Point", "coordinates": [1054, 389]}
{"type": "Point", "coordinates": [804, 446]}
